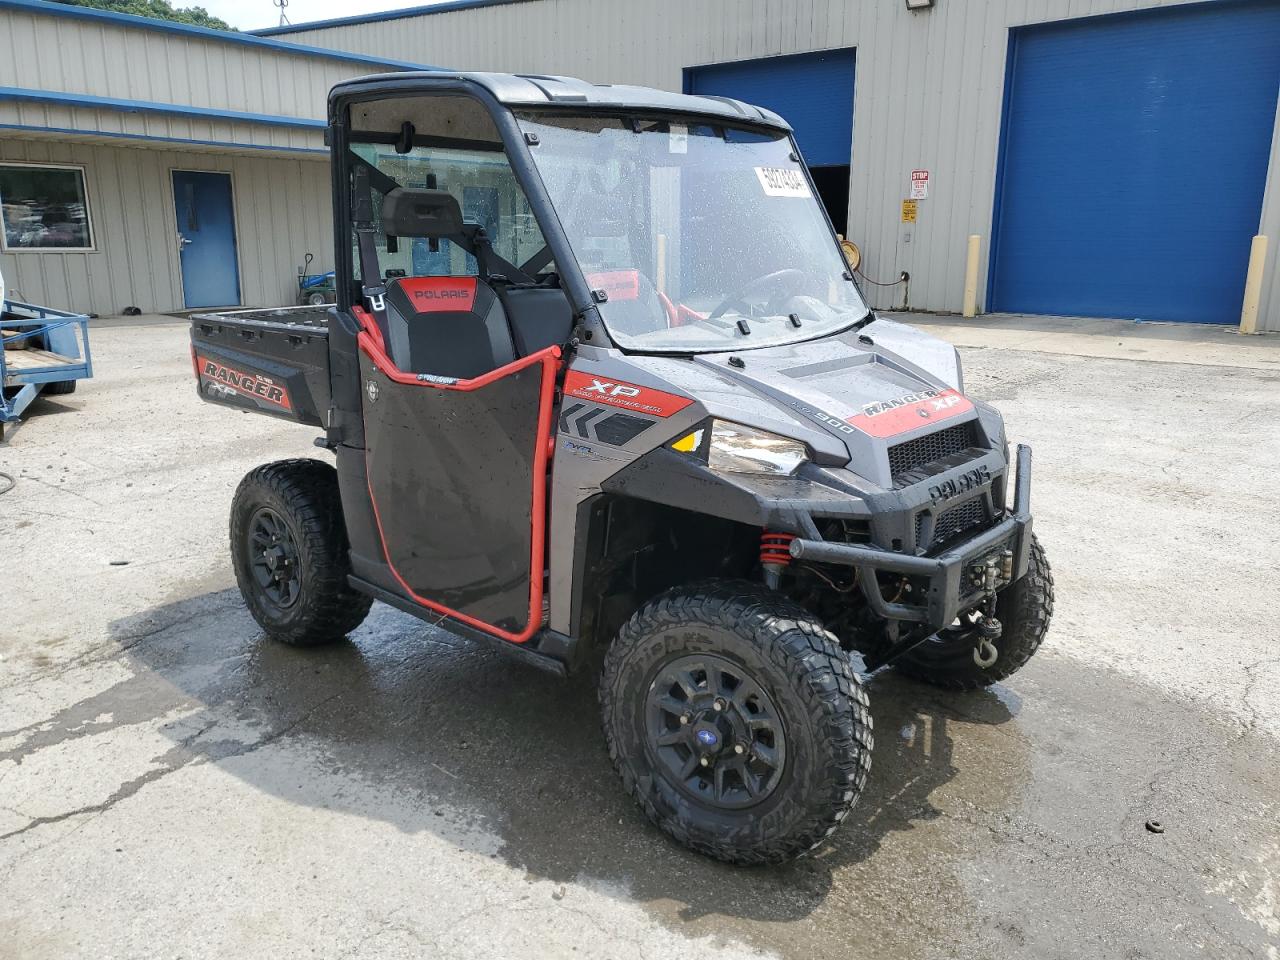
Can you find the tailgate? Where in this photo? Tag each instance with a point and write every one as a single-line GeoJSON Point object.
{"type": "Point", "coordinates": [268, 361]}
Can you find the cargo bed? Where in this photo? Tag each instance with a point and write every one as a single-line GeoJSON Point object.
{"type": "Point", "coordinates": [269, 361]}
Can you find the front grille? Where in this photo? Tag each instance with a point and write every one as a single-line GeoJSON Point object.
{"type": "Point", "coordinates": [914, 460]}
{"type": "Point", "coordinates": [950, 524]}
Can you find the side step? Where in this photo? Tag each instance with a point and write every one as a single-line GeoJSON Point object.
{"type": "Point", "coordinates": [546, 650]}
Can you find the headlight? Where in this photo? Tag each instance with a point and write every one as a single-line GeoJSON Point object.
{"type": "Point", "coordinates": [738, 449]}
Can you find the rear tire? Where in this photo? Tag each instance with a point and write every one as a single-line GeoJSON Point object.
{"type": "Point", "coordinates": [290, 553]}
{"type": "Point", "coordinates": [59, 388]}
{"type": "Point", "coordinates": [788, 696]}
{"type": "Point", "coordinates": [1024, 608]}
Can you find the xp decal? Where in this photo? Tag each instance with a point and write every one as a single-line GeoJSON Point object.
{"type": "Point", "coordinates": [252, 385]}
{"type": "Point", "coordinates": [618, 394]}
{"type": "Point", "coordinates": [888, 418]}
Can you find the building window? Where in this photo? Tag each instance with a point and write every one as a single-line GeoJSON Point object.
{"type": "Point", "coordinates": [44, 208]}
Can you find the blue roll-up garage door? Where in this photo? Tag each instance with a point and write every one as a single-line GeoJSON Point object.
{"type": "Point", "coordinates": [1134, 158]}
{"type": "Point", "coordinates": [812, 91]}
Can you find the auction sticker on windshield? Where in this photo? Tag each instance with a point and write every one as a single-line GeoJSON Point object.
{"type": "Point", "coordinates": [781, 182]}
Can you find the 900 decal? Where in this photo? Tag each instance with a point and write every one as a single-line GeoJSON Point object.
{"type": "Point", "coordinates": [232, 382]}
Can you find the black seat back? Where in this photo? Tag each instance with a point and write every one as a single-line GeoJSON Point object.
{"type": "Point", "coordinates": [539, 316]}
{"type": "Point", "coordinates": [446, 326]}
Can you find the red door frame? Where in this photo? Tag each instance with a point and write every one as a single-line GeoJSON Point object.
{"type": "Point", "coordinates": [371, 343]}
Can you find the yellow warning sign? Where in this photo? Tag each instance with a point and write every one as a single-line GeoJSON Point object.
{"type": "Point", "coordinates": [909, 211]}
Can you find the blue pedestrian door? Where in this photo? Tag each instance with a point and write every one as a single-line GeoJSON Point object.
{"type": "Point", "coordinates": [1133, 162]}
{"type": "Point", "coordinates": [206, 238]}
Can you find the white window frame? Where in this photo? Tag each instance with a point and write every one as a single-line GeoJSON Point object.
{"type": "Point", "coordinates": [88, 209]}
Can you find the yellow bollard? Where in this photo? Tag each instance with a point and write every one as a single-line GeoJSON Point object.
{"type": "Point", "coordinates": [971, 277]}
{"type": "Point", "coordinates": [1253, 285]}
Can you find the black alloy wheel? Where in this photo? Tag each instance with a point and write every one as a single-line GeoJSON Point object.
{"type": "Point", "coordinates": [291, 555]}
{"type": "Point", "coordinates": [735, 721]}
{"type": "Point", "coordinates": [273, 558]}
{"type": "Point", "coordinates": [715, 732]}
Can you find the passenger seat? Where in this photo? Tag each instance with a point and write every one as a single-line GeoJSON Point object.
{"type": "Point", "coordinates": [539, 315]}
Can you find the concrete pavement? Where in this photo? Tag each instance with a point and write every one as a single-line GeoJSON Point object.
{"type": "Point", "coordinates": [173, 785]}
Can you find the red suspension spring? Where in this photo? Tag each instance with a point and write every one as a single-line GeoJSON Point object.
{"type": "Point", "coordinates": [775, 548]}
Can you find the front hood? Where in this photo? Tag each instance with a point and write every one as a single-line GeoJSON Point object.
{"type": "Point", "coordinates": [854, 387]}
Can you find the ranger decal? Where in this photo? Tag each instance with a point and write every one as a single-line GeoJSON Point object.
{"type": "Point", "coordinates": [253, 385]}
{"type": "Point", "coordinates": [888, 418]}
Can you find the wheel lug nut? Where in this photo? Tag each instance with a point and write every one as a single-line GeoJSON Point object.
{"type": "Point", "coordinates": [738, 748]}
{"type": "Point", "coordinates": [719, 705]}
{"type": "Point", "coordinates": [705, 762]}
{"type": "Point", "coordinates": [684, 719]}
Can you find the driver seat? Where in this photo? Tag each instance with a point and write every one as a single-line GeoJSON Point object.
{"type": "Point", "coordinates": [447, 326]}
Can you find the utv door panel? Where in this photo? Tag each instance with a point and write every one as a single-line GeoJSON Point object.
{"type": "Point", "coordinates": [457, 476]}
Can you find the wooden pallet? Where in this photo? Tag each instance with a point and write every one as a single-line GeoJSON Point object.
{"type": "Point", "coordinates": [29, 359]}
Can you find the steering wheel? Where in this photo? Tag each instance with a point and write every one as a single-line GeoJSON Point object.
{"type": "Point", "coordinates": [739, 298]}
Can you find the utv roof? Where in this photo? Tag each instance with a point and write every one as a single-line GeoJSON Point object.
{"type": "Point", "coordinates": [529, 90]}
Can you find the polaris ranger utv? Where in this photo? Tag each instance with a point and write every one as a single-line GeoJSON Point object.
{"type": "Point", "coordinates": [601, 389]}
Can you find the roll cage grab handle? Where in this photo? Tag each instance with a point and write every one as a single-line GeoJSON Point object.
{"type": "Point", "coordinates": [351, 211]}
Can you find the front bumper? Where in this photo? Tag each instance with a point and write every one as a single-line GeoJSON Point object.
{"type": "Point", "coordinates": [946, 574]}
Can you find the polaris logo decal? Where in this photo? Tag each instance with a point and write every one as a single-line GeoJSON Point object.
{"type": "Point", "coordinates": [888, 418]}
{"type": "Point", "coordinates": [253, 385]}
{"type": "Point", "coordinates": [969, 480]}
{"type": "Point", "coordinates": [439, 294]}
{"type": "Point", "coordinates": [456, 294]}
{"type": "Point", "coordinates": [615, 393]}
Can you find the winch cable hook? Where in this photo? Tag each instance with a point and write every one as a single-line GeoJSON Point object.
{"type": "Point", "coordinates": [985, 652]}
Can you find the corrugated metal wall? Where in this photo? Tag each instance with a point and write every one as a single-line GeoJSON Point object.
{"type": "Point", "coordinates": [930, 86]}
{"type": "Point", "coordinates": [125, 62]}
{"type": "Point", "coordinates": [282, 210]}
{"type": "Point", "coordinates": [113, 123]}
{"type": "Point", "coordinates": [280, 172]}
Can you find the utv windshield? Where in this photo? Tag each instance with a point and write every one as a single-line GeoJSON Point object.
{"type": "Point", "coordinates": [702, 237]}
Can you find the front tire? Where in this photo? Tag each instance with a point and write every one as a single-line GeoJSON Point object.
{"type": "Point", "coordinates": [290, 553]}
{"type": "Point", "coordinates": [1024, 608]}
{"type": "Point", "coordinates": [734, 675]}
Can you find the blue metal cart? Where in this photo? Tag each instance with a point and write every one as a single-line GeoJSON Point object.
{"type": "Point", "coordinates": [43, 350]}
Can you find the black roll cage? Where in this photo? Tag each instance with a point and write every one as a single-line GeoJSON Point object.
{"type": "Point", "coordinates": [588, 323]}
{"type": "Point", "coordinates": [522, 165]}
